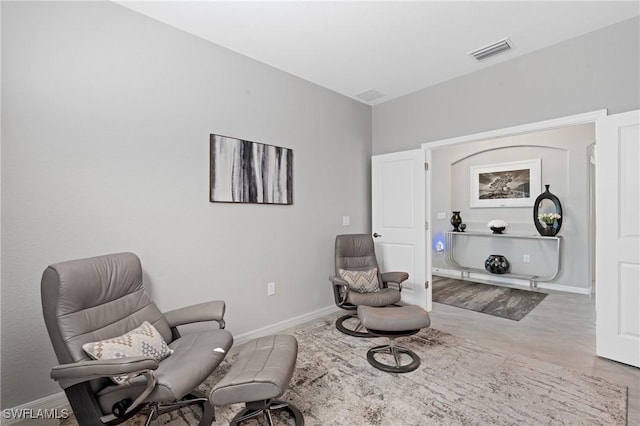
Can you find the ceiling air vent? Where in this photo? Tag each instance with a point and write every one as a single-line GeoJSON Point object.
{"type": "Point", "coordinates": [369, 95]}
{"type": "Point", "coordinates": [491, 50]}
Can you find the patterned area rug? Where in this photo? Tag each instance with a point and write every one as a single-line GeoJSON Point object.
{"type": "Point", "coordinates": [504, 302]}
{"type": "Point", "coordinates": [457, 383]}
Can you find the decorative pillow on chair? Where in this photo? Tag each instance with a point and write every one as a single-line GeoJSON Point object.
{"type": "Point", "coordinates": [361, 281]}
{"type": "Point", "coordinates": [145, 340]}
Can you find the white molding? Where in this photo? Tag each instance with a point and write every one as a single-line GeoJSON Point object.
{"type": "Point", "coordinates": [284, 325]}
{"type": "Point", "coordinates": [59, 400]}
{"type": "Point", "coordinates": [571, 120]}
{"type": "Point", "coordinates": [511, 282]}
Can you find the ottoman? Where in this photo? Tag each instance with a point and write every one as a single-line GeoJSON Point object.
{"type": "Point", "coordinates": [260, 374]}
{"type": "Point", "coordinates": [393, 322]}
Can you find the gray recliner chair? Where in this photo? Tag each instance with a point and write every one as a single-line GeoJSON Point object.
{"type": "Point", "coordinates": [353, 253]}
{"type": "Point", "coordinates": [99, 298]}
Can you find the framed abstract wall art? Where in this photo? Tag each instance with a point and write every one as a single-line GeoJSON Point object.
{"type": "Point", "coordinates": [242, 171]}
{"type": "Point", "coordinates": [509, 184]}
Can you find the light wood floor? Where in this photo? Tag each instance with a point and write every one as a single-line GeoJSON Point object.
{"type": "Point", "coordinates": [560, 330]}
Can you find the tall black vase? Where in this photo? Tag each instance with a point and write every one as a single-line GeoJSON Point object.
{"type": "Point", "coordinates": [456, 220]}
{"type": "Point", "coordinates": [541, 227]}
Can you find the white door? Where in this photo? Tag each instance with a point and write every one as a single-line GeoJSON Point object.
{"type": "Point", "coordinates": [618, 237]}
{"type": "Point", "coordinates": [398, 220]}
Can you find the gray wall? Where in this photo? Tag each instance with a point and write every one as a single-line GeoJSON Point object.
{"type": "Point", "coordinates": [105, 141]}
{"type": "Point", "coordinates": [591, 72]}
{"type": "Point", "coordinates": [564, 166]}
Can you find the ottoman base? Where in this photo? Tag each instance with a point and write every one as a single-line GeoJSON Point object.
{"type": "Point", "coordinates": [264, 409]}
{"type": "Point", "coordinates": [396, 352]}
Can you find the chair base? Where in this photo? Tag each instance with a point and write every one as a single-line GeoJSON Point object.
{"type": "Point", "coordinates": [355, 332]}
{"type": "Point", "coordinates": [265, 409]}
{"type": "Point", "coordinates": [195, 397]}
{"type": "Point", "coordinates": [396, 352]}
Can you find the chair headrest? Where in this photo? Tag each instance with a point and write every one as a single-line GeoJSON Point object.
{"type": "Point", "coordinates": [85, 283]}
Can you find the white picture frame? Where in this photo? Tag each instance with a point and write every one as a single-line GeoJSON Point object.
{"type": "Point", "coordinates": [510, 184]}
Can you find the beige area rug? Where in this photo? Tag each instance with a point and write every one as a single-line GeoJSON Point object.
{"type": "Point", "coordinates": [457, 383]}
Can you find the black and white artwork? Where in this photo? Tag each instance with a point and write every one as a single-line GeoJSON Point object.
{"type": "Point", "coordinates": [505, 184]}
{"type": "Point", "coordinates": [249, 172]}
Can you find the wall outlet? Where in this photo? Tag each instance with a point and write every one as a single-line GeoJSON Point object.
{"type": "Point", "coordinates": [271, 289]}
{"type": "Point", "coordinates": [526, 258]}
{"type": "Point", "coordinates": [442, 215]}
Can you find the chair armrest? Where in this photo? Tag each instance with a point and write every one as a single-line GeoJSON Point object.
{"type": "Point", "coordinates": [338, 281]}
{"type": "Point", "coordinates": [340, 290]}
{"type": "Point", "coordinates": [78, 372]}
{"type": "Point", "coordinates": [207, 311]}
{"type": "Point", "coordinates": [394, 277]}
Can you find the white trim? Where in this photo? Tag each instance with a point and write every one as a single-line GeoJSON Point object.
{"type": "Point", "coordinates": [511, 282]}
{"type": "Point", "coordinates": [283, 325]}
{"type": "Point", "coordinates": [571, 120]}
{"type": "Point", "coordinates": [59, 400]}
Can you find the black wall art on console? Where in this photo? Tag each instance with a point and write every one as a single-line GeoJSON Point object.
{"type": "Point", "coordinates": [547, 205]}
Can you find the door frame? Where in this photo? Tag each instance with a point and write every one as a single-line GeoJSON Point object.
{"type": "Point", "coordinates": [571, 120]}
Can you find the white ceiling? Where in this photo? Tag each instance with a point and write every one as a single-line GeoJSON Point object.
{"type": "Point", "coordinates": [390, 46]}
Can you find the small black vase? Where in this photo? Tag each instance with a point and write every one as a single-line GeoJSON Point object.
{"type": "Point", "coordinates": [550, 230]}
{"type": "Point", "coordinates": [456, 220]}
{"type": "Point", "coordinates": [496, 264]}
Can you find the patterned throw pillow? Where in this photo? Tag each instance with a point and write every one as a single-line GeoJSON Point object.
{"type": "Point", "coordinates": [143, 341]}
{"type": "Point", "coordinates": [361, 281]}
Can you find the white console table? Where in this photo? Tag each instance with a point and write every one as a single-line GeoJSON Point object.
{"type": "Point", "coordinates": [451, 236]}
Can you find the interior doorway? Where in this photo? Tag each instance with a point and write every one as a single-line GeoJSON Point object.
{"type": "Point", "coordinates": [586, 282]}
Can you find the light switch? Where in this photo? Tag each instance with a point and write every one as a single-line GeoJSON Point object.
{"type": "Point", "coordinates": [442, 215]}
{"type": "Point", "coordinates": [346, 220]}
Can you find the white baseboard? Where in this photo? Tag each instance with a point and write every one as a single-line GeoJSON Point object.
{"type": "Point", "coordinates": [513, 282]}
{"type": "Point", "coordinates": [284, 325]}
{"type": "Point", "coordinates": [59, 400]}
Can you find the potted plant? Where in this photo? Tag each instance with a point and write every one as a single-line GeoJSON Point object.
{"type": "Point", "coordinates": [549, 219]}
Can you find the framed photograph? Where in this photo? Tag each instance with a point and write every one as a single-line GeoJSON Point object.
{"type": "Point", "coordinates": [513, 184]}
{"type": "Point", "coordinates": [249, 172]}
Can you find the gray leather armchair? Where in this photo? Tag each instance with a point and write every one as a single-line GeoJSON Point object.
{"type": "Point", "coordinates": [356, 252]}
{"type": "Point", "coordinates": [94, 299]}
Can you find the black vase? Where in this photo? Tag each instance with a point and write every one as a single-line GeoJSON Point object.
{"type": "Point", "coordinates": [541, 227]}
{"type": "Point", "coordinates": [496, 264]}
{"type": "Point", "coordinates": [456, 220]}
{"type": "Point", "coordinates": [550, 230]}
